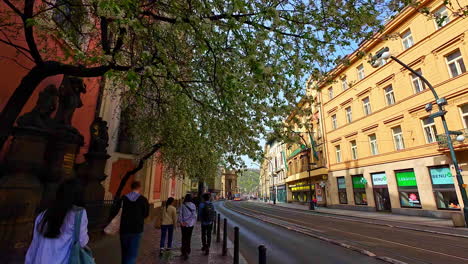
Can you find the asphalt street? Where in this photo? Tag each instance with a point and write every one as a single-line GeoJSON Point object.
{"type": "Point", "coordinates": [287, 246]}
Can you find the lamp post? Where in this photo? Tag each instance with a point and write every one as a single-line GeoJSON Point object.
{"type": "Point", "coordinates": [309, 169]}
{"type": "Point", "coordinates": [377, 61]}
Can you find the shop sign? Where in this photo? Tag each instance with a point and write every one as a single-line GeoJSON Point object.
{"type": "Point", "coordinates": [441, 175]}
{"type": "Point", "coordinates": [341, 183]}
{"type": "Point", "coordinates": [379, 178]}
{"type": "Point", "coordinates": [359, 182]}
{"type": "Point", "coordinates": [406, 178]}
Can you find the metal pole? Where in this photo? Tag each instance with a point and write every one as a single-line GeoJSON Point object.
{"type": "Point", "coordinates": [261, 254]}
{"type": "Point", "coordinates": [214, 224]}
{"type": "Point", "coordinates": [236, 245]}
{"type": "Point", "coordinates": [449, 139]}
{"type": "Point", "coordinates": [225, 237]}
{"type": "Point", "coordinates": [218, 229]}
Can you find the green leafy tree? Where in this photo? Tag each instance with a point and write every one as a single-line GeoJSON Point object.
{"type": "Point", "coordinates": [248, 181]}
{"type": "Point", "coordinates": [204, 78]}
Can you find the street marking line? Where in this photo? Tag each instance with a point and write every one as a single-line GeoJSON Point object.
{"type": "Point", "coordinates": [387, 241]}
{"type": "Point", "coordinates": [349, 218]}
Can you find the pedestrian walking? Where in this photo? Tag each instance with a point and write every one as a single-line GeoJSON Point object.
{"type": "Point", "coordinates": [135, 209]}
{"type": "Point", "coordinates": [187, 219]}
{"type": "Point", "coordinates": [54, 229]}
{"type": "Point", "coordinates": [207, 215]}
{"type": "Point", "coordinates": [169, 221]}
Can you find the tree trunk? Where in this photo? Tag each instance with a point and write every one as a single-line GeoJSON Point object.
{"type": "Point", "coordinates": [129, 173]}
{"type": "Point", "coordinates": [18, 99]}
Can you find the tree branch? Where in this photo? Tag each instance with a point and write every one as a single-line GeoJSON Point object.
{"type": "Point", "coordinates": [105, 35]}
{"type": "Point", "coordinates": [28, 31]}
{"type": "Point", "coordinates": [13, 7]}
{"type": "Point", "coordinates": [129, 173]}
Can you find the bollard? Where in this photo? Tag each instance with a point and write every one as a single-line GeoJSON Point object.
{"type": "Point", "coordinates": [225, 237]}
{"type": "Point", "coordinates": [261, 254]}
{"type": "Point", "coordinates": [218, 231]}
{"type": "Point", "coordinates": [236, 245]}
{"type": "Point", "coordinates": [214, 224]}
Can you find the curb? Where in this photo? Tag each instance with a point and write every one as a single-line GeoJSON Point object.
{"type": "Point", "coordinates": [333, 241]}
{"type": "Point", "coordinates": [363, 220]}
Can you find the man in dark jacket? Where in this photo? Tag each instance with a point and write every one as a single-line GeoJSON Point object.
{"type": "Point", "coordinates": [206, 216]}
{"type": "Point", "coordinates": [135, 209]}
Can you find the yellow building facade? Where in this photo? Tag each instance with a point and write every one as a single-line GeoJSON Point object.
{"type": "Point", "coordinates": [383, 152]}
{"type": "Point", "coordinates": [306, 170]}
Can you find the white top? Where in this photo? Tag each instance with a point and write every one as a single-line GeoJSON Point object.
{"type": "Point", "coordinates": [56, 250]}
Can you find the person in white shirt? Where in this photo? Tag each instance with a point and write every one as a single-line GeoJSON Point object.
{"type": "Point", "coordinates": [187, 220]}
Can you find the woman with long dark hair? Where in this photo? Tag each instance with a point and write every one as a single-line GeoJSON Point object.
{"type": "Point", "coordinates": [187, 219]}
{"type": "Point", "coordinates": [54, 227]}
{"type": "Point", "coordinates": [169, 221]}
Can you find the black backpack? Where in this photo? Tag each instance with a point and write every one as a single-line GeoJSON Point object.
{"type": "Point", "coordinates": [208, 213]}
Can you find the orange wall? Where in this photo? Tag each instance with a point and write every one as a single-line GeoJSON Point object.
{"type": "Point", "coordinates": [119, 168]}
{"type": "Point", "coordinates": [158, 172]}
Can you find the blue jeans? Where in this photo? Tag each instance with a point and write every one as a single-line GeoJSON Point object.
{"type": "Point", "coordinates": [129, 244]}
{"type": "Point", "coordinates": [166, 229]}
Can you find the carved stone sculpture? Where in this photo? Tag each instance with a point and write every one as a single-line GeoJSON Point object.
{"type": "Point", "coordinates": [99, 136]}
{"type": "Point", "coordinates": [39, 117]}
{"type": "Point", "coordinates": [70, 100]}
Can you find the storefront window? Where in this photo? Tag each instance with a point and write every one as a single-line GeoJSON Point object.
{"type": "Point", "coordinates": [359, 189]}
{"type": "Point", "coordinates": [444, 188]}
{"type": "Point", "coordinates": [342, 190]}
{"type": "Point", "coordinates": [407, 187]}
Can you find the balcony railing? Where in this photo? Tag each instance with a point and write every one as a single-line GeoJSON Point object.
{"type": "Point", "coordinates": [442, 140]}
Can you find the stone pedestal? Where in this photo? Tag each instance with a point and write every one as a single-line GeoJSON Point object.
{"type": "Point", "coordinates": [61, 151]}
{"type": "Point", "coordinates": [21, 191]}
{"type": "Point", "coordinates": [93, 175]}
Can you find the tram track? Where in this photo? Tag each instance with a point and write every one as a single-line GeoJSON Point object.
{"type": "Point", "coordinates": [373, 240]}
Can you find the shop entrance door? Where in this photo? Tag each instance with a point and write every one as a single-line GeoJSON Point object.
{"type": "Point", "coordinates": [382, 199]}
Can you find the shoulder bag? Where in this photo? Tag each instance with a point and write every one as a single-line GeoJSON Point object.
{"type": "Point", "coordinates": [79, 255]}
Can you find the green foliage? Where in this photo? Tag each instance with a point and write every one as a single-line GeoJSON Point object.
{"type": "Point", "coordinates": [205, 78]}
{"type": "Point", "coordinates": [248, 181]}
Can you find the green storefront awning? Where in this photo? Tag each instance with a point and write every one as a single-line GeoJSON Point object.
{"type": "Point", "coordinates": [297, 151]}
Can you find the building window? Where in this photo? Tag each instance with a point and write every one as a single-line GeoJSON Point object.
{"type": "Point", "coordinates": [342, 190]}
{"type": "Point", "coordinates": [349, 114]}
{"type": "Point", "coordinates": [418, 85]}
{"type": "Point", "coordinates": [367, 106]}
{"type": "Point", "coordinates": [442, 17]}
{"type": "Point", "coordinates": [360, 72]}
{"type": "Point", "coordinates": [359, 189]}
{"type": "Point", "coordinates": [429, 129]}
{"type": "Point", "coordinates": [464, 114]}
{"type": "Point", "coordinates": [407, 39]}
{"type": "Point", "coordinates": [330, 93]}
{"type": "Point", "coordinates": [455, 63]}
{"type": "Point", "coordinates": [389, 95]}
{"type": "Point", "coordinates": [398, 138]}
{"type": "Point", "coordinates": [344, 84]}
{"type": "Point", "coordinates": [408, 189]}
{"type": "Point", "coordinates": [354, 153]}
{"type": "Point", "coordinates": [338, 153]}
{"type": "Point", "coordinates": [373, 144]}
{"type": "Point", "coordinates": [444, 188]}
{"type": "Point", "coordinates": [334, 121]}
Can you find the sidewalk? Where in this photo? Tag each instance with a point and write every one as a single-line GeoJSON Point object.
{"type": "Point", "coordinates": [107, 250]}
{"type": "Point", "coordinates": [403, 221]}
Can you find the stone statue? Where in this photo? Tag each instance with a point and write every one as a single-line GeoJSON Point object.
{"type": "Point", "coordinates": [70, 100]}
{"type": "Point", "coordinates": [39, 117]}
{"type": "Point", "coordinates": [99, 136]}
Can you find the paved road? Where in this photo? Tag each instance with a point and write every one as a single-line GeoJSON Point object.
{"type": "Point", "coordinates": [404, 245]}
{"type": "Point", "coordinates": [286, 246]}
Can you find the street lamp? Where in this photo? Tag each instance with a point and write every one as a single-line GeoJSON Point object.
{"type": "Point", "coordinates": [380, 59]}
{"type": "Point", "coordinates": [309, 169]}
